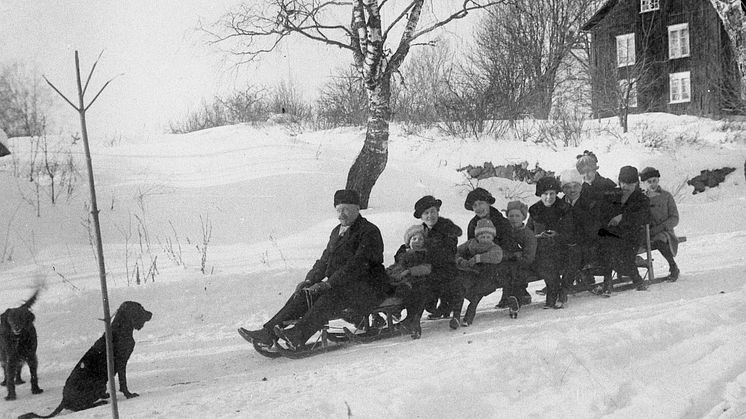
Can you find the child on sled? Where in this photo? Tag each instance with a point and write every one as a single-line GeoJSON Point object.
{"type": "Point", "coordinates": [518, 263]}
{"type": "Point", "coordinates": [408, 275]}
{"type": "Point", "coordinates": [478, 263]}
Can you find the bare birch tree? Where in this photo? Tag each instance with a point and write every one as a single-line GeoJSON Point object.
{"type": "Point", "coordinates": [377, 33]}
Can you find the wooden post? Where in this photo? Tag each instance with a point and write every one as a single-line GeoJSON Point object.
{"type": "Point", "coordinates": [651, 273]}
{"type": "Point", "coordinates": [81, 108]}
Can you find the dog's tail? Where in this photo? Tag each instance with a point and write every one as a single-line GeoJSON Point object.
{"type": "Point", "coordinates": [31, 300]}
{"type": "Point", "coordinates": [34, 415]}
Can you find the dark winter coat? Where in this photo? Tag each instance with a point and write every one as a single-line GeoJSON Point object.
{"type": "Point", "coordinates": [598, 188]}
{"type": "Point", "coordinates": [557, 217]}
{"type": "Point", "coordinates": [357, 255]}
{"type": "Point", "coordinates": [406, 258]}
{"type": "Point", "coordinates": [585, 217]}
{"type": "Point", "coordinates": [441, 241]}
{"type": "Point", "coordinates": [502, 226]}
{"type": "Point", "coordinates": [635, 213]}
{"type": "Point", "coordinates": [482, 276]}
{"type": "Point", "coordinates": [519, 266]}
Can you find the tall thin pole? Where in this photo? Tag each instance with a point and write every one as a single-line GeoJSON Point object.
{"type": "Point", "coordinates": [81, 108]}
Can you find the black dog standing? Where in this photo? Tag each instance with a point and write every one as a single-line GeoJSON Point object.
{"type": "Point", "coordinates": [18, 343]}
{"type": "Point", "coordinates": [86, 385]}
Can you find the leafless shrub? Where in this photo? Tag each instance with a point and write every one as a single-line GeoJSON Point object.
{"type": "Point", "coordinates": [7, 254]}
{"type": "Point", "coordinates": [174, 253]}
{"type": "Point", "coordinates": [342, 100]}
{"type": "Point", "coordinates": [206, 227]}
{"type": "Point", "coordinates": [24, 102]}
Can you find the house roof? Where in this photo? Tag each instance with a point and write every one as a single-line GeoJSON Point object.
{"type": "Point", "coordinates": [599, 15]}
{"type": "Point", "coordinates": [723, 7]}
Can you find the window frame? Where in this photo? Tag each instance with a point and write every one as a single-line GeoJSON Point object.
{"type": "Point", "coordinates": [678, 30]}
{"type": "Point", "coordinates": [649, 5]}
{"type": "Point", "coordinates": [626, 37]}
{"type": "Point", "coordinates": [679, 77]}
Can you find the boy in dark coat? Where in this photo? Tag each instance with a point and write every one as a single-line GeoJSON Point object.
{"type": "Point", "coordinates": [352, 265]}
{"type": "Point", "coordinates": [623, 216]}
{"type": "Point", "coordinates": [478, 261]}
{"type": "Point", "coordinates": [517, 267]}
{"type": "Point", "coordinates": [551, 220]}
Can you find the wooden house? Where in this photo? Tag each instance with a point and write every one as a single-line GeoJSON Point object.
{"type": "Point", "coordinates": [677, 56]}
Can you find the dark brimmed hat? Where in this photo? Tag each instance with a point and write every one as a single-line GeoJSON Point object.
{"type": "Point", "coordinates": [649, 172]}
{"type": "Point", "coordinates": [346, 196]}
{"type": "Point", "coordinates": [427, 201]}
{"type": "Point", "coordinates": [547, 183]}
{"type": "Point", "coordinates": [478, 194]}
{"type": "Point", "coordinates": [628, 174]}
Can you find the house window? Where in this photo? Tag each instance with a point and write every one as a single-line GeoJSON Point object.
{"type": "Point", "coordinates": [680, 87]}
{"type": "Point", "coordinates": [625, 49]}
{"type": "Point", "coordinates": [678, 41]}
{"type": "Point", "coordinates": [628, 91]}
{"type": "Point", "coordinates": [649, 5]}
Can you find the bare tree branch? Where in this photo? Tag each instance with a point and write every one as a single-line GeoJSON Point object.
{"type": "Point", "coordinates": [59, 93]}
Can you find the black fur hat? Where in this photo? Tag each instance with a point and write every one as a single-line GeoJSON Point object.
{"type": "Point", "coordinates": [346, 196]}
{"type": "Point", "coordinates": [628, 174]}
{"type": "Point", "coordinates": [427, 201]}
{"type": "Point", "coordinates": [649, 172]}
{"type": "Point", "coordinates": [478, 194]}
{"type": "Point", "coordinates": [547, 183]}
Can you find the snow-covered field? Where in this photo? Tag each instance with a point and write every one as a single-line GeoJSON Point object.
{"type": "Point", "coordinates": [674, 351]}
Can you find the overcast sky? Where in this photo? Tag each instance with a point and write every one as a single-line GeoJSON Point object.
{"type": "Point", "coordinates": [165, 63]}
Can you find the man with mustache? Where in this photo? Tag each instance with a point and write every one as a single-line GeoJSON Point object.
{"type": "Point", "coordinates": [349, 275]}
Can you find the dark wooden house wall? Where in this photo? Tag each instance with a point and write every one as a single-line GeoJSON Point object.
{"type": "Point", "coordinates": [714, 79]}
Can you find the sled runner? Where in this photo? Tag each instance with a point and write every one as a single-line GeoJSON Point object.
{"type": "Point", "coordinates": [622, 283]}
{"type": "Point", "coordinates": [368, 328]}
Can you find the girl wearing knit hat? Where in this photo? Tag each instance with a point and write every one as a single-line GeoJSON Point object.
{"type": "Point", "coordinates": [621, 233]}
{"type": "Point", "coordinates": [478, 261]}
{"type": "Point", "coordinates": [551, 220]}
{"type": "Point", "coordinates": [408, 275]}
{"type": "Point", "coordinates": [664, 216]}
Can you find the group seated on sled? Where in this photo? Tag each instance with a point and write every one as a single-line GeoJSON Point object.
{"type": "Point", "coordinates": [581, 227]}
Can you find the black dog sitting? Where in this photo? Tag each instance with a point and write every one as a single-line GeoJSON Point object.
{"type": "Point", "coordinates": [86, 385]}
{"type": "Point", "coordinates": [18, 345]}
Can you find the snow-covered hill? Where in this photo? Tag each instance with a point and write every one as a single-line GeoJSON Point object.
{"type": "Point", "coordinates": [674, 351]}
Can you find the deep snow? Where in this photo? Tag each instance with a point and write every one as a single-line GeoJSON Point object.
{"type": "Point", "coordinates": [674, 351]}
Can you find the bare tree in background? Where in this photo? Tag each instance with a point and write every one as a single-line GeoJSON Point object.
{"type": "Point", "coordinates": [520, 48]}
{"type": "Point", "coordinates": [24, 105]}
{"type": "Point", "coordinates": [626, 87]}
{"type": "Point", "coordinates": [378, 49]}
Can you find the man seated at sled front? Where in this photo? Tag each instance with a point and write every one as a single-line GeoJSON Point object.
{"type": "Point", "coordinates": [352, 264]}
